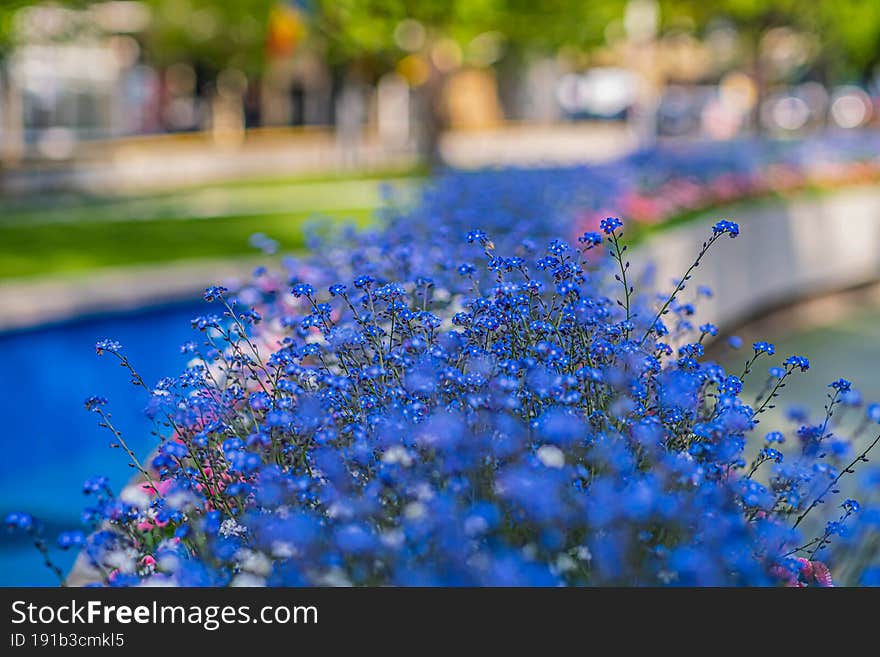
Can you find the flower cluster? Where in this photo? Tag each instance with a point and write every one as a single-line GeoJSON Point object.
{"type": "Point", "coordinates": [647, 187]}
{"type": "Point", "coordinates": [653, 185]}
{"type": "Point", "coordinates": [429, 406]}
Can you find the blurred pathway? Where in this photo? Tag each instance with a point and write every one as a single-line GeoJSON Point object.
{"type": "Point", "coordinates": [26, 303]}
{"type": "Point", "coordinates": [139, 164]}
{"type": "Point", "coordinates": [838, 332]}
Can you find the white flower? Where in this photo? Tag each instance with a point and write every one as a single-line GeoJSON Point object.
{"type": "Point", "coordinates": [232, 528]}
{"type": "Point", "coordinates": [124, 560]}
{"type": "Point", "coordinates": [583, 553]}
{"type": "Point", "coordinates": [564, 563]}
{"type": "Point", "coordinates": [334, 577]}
{"type": "Point", "coordinates": [247, 580]}
{"type": "Point", "coordinates": [393, 538]}
{"type": "Point", "coordinates": [397, 454]}
{"type": "Point", "coordinates": [157, 581]}
{"type": "Point", "coordinates": [255, 562]}
{"type": "Point", "coordinates": [283, 549]}
{"type": "Point", "coordinates": [551, 456]}
{"type": "Point", "coordinates": [136, 496]}
{"type": "Point", "coordinates": [475, 524]}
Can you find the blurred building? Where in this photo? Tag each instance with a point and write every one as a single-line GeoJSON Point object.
{"type": "Point", "coordinates": [75, 75]}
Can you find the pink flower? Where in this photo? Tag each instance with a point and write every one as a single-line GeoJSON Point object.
{"type": "Point", "coordinates": [822, 575]}
{"type": "Point", "coordinates": [160, 488]}
{"type": "Point", "coordinates": [808, 573]}
{"type": "Point", "coordinates": [814, 573]}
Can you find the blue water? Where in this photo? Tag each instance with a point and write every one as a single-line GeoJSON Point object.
{"type": "Point", "coordinates": [50, 443]}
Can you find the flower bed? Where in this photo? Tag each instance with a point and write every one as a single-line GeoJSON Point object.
{"type": "Point", "coordinates": [432, 404]}
{"type": "Point", "coordinates": [651, 188]}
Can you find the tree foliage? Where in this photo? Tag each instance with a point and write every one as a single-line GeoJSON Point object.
{"type": "Point", "coordinates": [847, 31]}
{"type": "Point", "coordinates": [214, 35]}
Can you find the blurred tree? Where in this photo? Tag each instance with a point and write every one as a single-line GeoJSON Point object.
{"type": "Point", "coordinates": [840, 40]}
{"type": "Point", "coordinates": [210, 34]}
{"type": "Point", "coordinates": [10, 128]}
{"type": "Point", "coordinates": [426, 40]}
{"type": "Point", "coordinates": [846, 33]}
{"type": "Point", "coordinates": [8, 9]}
{"type": "Point", "coordinates": [222, 48]}
{"type": "Point", "coordinates": [359, 28]}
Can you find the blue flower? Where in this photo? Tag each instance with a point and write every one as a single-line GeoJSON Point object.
{"type": "Point", "coordinates": [303, 290]}
{"type": "Point", "coordinates": [764, 348]}
{"type": "Point", "coordinates": [851, 506]}
{"type": "Point", "coordinates": [798, 362]}
{"type": "Point", "coordinates": [97, 484]}
{"type": "Point", "coordinates": [709, 329]}
{"type": "Point", "coordinates": [841, 385]}
{"type": "Point", "coordinates": [94, 403]}
{"type": "Point", "coordinates": [726, 227]}
{"type": "Point", "coordinates": [18, 520]}
{"type": "Point", "coordinates": [107, 345]}
{"type": "Point", "coordinates": [264, 243]}
{"type": "Point", "coordinates": [477, 236]}
{"type": "Point", "coordinates": [772, 454]}
{"type": "Point", "coordinates": [67, 540]}
{"type": "Point", "coordinates": [590, 239]}
{"type": "Point", "coordinates": [215, 292]}
{"type": "Point", "coordinates": [610, 224]}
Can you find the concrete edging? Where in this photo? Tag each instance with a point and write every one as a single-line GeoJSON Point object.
{"type": "Point", "coordinates": [30, 303]}
{"type": "Point", "coordinates": [786, 251]}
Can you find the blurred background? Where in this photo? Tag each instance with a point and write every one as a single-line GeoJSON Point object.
{"type": "Point", "coordinates": [147, 146]}
{"type": "Point", "coordinates": [203, 89]}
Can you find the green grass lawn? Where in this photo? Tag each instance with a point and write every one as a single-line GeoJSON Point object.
{"type": "Point", "coordinates": [69, 233]}
{"type": "Point", "coordinates": [76, 233]}
{"type": "Point", "coordinates": [69, 248]}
